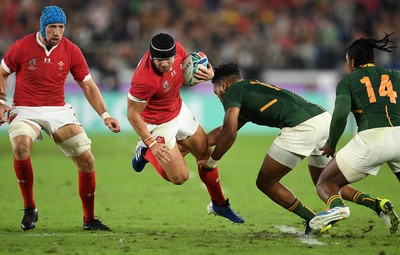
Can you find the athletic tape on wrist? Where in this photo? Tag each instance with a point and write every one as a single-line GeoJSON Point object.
{"type": "Point", "coordinates": [105, 115]}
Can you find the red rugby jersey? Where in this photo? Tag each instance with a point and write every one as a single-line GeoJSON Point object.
{"type": "Point", "coordinates": [161, 91]}
{"type": "Point", "coordinates": [41, 74]}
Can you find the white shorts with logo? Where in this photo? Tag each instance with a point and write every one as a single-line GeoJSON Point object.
{"type": "Point", "coordinates": [47, 118]}
{"type": "Point", "coordinates": [368, 151]}
{"type": "Point", "coordinates": [179, 128]}
{"type": "Point", "coordinates": [303, 140]}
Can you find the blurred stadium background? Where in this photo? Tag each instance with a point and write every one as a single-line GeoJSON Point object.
{"type": "Point", "coordinates": [295, 44]}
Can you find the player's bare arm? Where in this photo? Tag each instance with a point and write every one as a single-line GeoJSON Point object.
{"type": "Point", "coordinates": [4, 109]}
{"type": "Point", "coordinates": [228, 133]}
{"type": "Point", "coordinates": [226, 138]}
{"type": "Point", "coordinates": [92, 94]}
{"type": "Point", "coordinates": [213, 136]}
{"type": "Point", "coordinates": [3, 83]}
{"type": "Point", "coordinates": [159, 150]}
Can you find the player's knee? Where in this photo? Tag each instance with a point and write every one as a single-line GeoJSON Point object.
{"type": "Point", "coordinates": [179, 179]}
{"type": "Point", "coordinates": [21, 150]}
{"type": "Point", "coordinates": [85, 162]}
{"type": "Point", "coordinates": [260, 185]}
{"type": "Point", "coordinates": [76, 145]}
{"type": "Point", "coordinates": [264, 184]}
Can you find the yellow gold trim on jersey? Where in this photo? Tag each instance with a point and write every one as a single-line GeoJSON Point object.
{"type": "Point", "coordinates": [387, 116]}
{"type": "Point", "coordinates": [268, 105]}
{"type": "Point", "coordinates": [368, 65]}
{"type": "Point", "coordinates": [357, 111]}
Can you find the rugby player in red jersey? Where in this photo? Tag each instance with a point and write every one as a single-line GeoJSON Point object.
{"type": "Point", "coordinates": [162, 120]}
{"type": "Point", "coordinates": [41, 62]}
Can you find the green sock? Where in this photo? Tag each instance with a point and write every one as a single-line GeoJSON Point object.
{"type": "Point", "coordinates": [366, 200]}
{"type": "Point", "coordinates": [301, 210]}
{"type": "Point", "coordinates": [335, 201]}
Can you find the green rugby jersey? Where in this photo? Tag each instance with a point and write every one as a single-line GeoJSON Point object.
{"type": "Point", "coordinates": [370, 93]}
{"type": "Point", "coordinates": [268, 105]}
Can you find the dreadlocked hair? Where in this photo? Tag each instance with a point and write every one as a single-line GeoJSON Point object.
{"type": "Point", "coordinates": [362, 50]}
{"type": "Point", "coordinates": [225, 71]}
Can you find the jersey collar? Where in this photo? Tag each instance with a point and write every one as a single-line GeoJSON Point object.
{"type": "Point", "coordinates": [44, 46]}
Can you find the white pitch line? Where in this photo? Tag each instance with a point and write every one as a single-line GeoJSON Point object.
{"type": "Point", "coordinates": [303, 238]}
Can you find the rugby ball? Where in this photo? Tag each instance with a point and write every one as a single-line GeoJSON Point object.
{"type": "Point", "coordinates": [190, 65]}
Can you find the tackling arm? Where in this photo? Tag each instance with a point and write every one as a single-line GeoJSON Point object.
{"type": "Point", "coordinates": [214, 134]}
{"type": "Point", "coordinates": [227, 134]}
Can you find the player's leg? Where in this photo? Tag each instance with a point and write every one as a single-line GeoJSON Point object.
{"type": "Point", "coordinates": [75, 144]}
{"type": "Point", "coordinates": [22, 134]}
{"type": "Point", "coordinates": [277, 163]}
{"type": "Point", "coordinates": [317, 163]}
{"type": "Point", "coordinates": [364, 154]}
{"type": "Point", "coordinates": [192, 137]}
{"type": "Point", "coordinates": [328, 187]}
{"type": "Point", "coordinates": [197, 145]}
{"type": "Point", "coordinates": [175, 170]}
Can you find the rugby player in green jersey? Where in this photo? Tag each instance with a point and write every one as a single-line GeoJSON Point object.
{"type": "Point", "coordinates": [370, 93]}
{"type": "Point", "coordinates": [304, 129]}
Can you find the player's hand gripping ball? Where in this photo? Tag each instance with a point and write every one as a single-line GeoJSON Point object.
{"type": "Point", "coordinates": [190, 65]}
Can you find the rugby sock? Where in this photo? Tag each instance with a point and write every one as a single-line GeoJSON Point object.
{"type": "Point", "coordinates": [152, 159]}
{"type": "Point", "coordinates": [366, 200]}
{"type": "Point", "coordinates": [301, 210]}
{"type": "Point", "coordinates": [334, 201]}
{"type": "Point", "coordinates": [24, 173]}
{"type": "Point", "coordinates": [211, 180]}
{"type": "Point", "coordinates": [87, 188]}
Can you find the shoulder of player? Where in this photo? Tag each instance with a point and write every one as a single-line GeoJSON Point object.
{"type": "Point", "coordinates": [144, 73]}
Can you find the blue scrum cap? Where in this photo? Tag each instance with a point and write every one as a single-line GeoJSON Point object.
{"type": "Point", "coordinates": [51, 15]}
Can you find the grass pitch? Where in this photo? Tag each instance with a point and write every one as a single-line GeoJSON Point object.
{"type": "Point", "coordinates": [151, 216]}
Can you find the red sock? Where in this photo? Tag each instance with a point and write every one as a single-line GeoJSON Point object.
{"type": "Point", "coordinates": [211, 180]}
{"type": "Point", "coordinates": [24, 173]}
{"type": "Point", "coordinates": [87, 188]}
{"type": "Point", "coordinates": [152, 159]}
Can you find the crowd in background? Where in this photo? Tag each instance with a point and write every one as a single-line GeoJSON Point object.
{"type": "Point", "coordinates": [258, 34]}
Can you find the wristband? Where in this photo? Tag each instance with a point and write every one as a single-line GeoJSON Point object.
{"type": "Point", "coordinates": [105, 115]}
{"type": "Point", "coordinates": [152, 144]}
{"type": "Point", "coordinates": [211, 163]}
{"type": "Point", "coordinates": [147, 138]}
{"type": "Point", "coordinates": [2, 101]}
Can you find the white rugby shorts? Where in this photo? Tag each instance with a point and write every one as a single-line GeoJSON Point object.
{"type": "Point", "coordinates": [47, 118]}
{"type": "Point", "coordinates": [307, 137]}
{"type": "Point", "coordinates": [303, 140]}
{"type": "Point", "coordinates": [368, 151]}
{"type": "Point", "coordinates": [179, 128]}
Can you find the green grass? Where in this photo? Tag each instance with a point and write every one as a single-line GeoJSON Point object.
{"type": "Point", "coordinates": [151, 216]}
